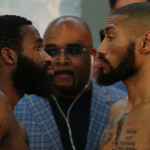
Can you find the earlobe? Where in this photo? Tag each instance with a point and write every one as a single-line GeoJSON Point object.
{"type": "Point", "coordinates": [7, 55]}
{"type": "Point", "coordinates": [146, 44]}
{"type": "Point", "coordinates": [93, 51]}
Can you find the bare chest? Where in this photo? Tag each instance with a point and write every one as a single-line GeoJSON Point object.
{"type": "Point", "coordinates": [126, 132]}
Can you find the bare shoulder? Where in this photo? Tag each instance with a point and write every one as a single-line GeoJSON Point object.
{"type": "Point", "coordinates": [142, 111]}
{"type": "Point", "coordinates": [118, 106]}
{"type": "Point", "coordinates": [24, 133]}
{"type": "Point", "coordinates": [6, 115]}
{"type": "Point", "coordinates": [10, 133]}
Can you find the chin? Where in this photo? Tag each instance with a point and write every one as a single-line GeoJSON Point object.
{"type": "Point", "coordinates": [65, 85]}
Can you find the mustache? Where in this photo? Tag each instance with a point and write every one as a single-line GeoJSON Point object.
{"type": "Point", "coordinates": [102, 57]}
{"type": "Point", "coordinates": [63, 71]}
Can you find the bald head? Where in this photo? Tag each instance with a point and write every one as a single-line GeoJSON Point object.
{"type": "Point", "coordinates": [68, 40]}
{"type": "Point", "coordinates": [72, 24]}
{"type": "Point", "coordinates": [69, 19]}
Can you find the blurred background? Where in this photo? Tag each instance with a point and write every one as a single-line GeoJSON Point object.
{"type": "Point", "coordinates": [41, 12]}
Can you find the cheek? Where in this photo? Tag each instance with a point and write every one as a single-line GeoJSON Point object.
{"type": "Point", "coordinates": [82, 70]}
{"type": "Point", "coordinates": [116, 55]}
{"type": "Point", "coordinates": [38, 58]}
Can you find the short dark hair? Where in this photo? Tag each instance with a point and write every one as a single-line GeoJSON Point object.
{"type": "Point", "coordinates": [10, 33]}
{"type": "Point", "coordinates": [135, 10]}
{"type": "Point", "coordinates": [139, 13]}
{"type": "Point", "coordinates": [113, 2]}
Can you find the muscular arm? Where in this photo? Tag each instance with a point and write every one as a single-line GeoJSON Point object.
{"type": "Point", "coordinates": [24, 133]}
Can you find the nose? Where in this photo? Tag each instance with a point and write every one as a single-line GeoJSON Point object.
{"type": "Point", "coordinates": [48, 58]}
{"type": "Point", "coordinates": [62, 58]}
{"type": "Point", "coordinates": [102, 49]}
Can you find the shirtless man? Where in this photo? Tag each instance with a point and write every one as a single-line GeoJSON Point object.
{"type": "Point", "coordinates": [23, 63]}
{"type": "Point", "coordinates": [125, 55]}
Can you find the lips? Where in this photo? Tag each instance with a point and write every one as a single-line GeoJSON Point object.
{"type": "Point", "coordinates": [101, 63]}
{"type": "Point", "coordinates": [63, 72]}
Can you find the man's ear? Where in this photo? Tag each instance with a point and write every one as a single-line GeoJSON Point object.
{"type": "Point", "coordinates": [146, 44]}
{"type": "Point", "coordinates": [8, 55]}
{"type": "Point", "coordinates": [93, 51]}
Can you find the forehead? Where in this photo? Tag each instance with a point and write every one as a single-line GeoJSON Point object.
{"type": "Point", "coordinates": [68, 33]}
{"type": "Point", "coordinates": [115, 21]}
{"type": "Point", "coordinates": [30, 34]}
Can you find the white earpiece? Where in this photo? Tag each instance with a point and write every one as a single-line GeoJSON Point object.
{"type": "Point", "coordinates": [92, 60]}
{"type": "Point", "coordinates": [91, 71]}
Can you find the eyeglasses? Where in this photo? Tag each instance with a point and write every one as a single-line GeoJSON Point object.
{"type": "Point", "coordinates": [72, 51]}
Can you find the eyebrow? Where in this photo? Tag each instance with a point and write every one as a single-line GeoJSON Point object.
{"type": "Point", "coordinates": [49, 45]}
{"type": "Point", "coordinates": [109, 28]}
{"type": "Point", "coordinates": [38, 40]}
{"type": "Point", "coordinates": [71, 44]}
{"type": "Point", "coordinates": [75, 44]}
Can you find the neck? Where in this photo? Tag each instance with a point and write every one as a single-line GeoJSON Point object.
{"type": "Point", "coordinates": [139, 86]}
